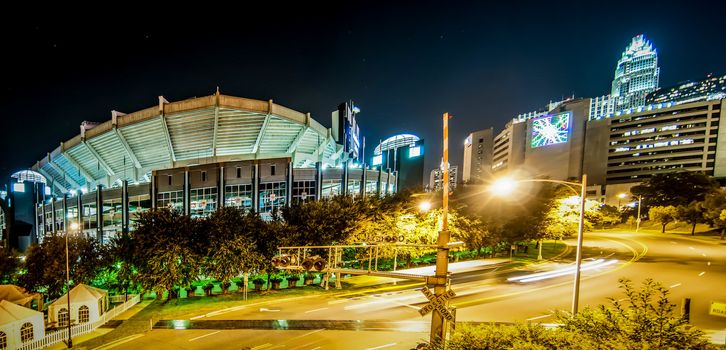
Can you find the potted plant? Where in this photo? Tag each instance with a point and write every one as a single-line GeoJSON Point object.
{"type": "Point", "coordinates": [308, 278]}
{"type": "Point", "coordinates": [275, 281]}
{"type": "Point", "coordinates": [258, 282]}
{"type": "Point", "coordinates": [225, 287]}
{"type": "Point", "coordinates": [208, 289]}
{"type": "Point", "coordinates": [292, 281]}
{"type": "Point", "coordinates": [190, 291]}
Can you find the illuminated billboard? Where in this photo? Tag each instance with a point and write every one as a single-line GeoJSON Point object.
{"type": "Point", "coordinates": [550, 130]}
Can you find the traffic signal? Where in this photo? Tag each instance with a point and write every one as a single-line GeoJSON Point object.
{"type": "Point", "coordinates": [284, 260]}
{"type": "Point", "coordinates": [320, 264]}
{"type": "Point", "coordinates": [309, 262]}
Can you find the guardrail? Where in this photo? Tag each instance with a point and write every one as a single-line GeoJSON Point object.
{"type": "Point", "coordinates": [62, 334]}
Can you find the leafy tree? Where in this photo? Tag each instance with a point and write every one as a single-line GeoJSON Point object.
{"type": "Point", "coordinates": [692, 214]}
{"type": "Point", "coordinates": [677, 188]}
{"type": "Point", "coordinates": [9, 265]}
{"type": "Point", "coordinates": [472, 232]}
{"type": "Point", "coordinates": [713, 207]}
{"type": "Point", "coordinates": [663, 215]}
{"type": "Point", "coordinates": [232, 249]}
{"type": "Point", "coordinates": [645, 320]}
{"type": "Point", "coordinates": [322, 222]}
{"type": "Point", "coordinates": [169, 248]}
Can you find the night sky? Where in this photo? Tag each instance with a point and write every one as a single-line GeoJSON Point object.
{"type": "Point", "coordinates": [404, 63]}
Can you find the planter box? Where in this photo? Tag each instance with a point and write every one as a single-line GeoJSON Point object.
{"type": "Point", "coordinates": [291, 283]}
{"type": "Point", "coordinates": [275, 284]}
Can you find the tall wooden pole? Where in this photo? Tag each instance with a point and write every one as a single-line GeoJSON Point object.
{"type": "Point", "coordinates": [438, 330]}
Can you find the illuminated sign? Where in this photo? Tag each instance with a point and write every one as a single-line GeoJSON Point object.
{"type": "Point", "coordinates": [18, 187]}
{"type": "Point", "coordinates": [550, 130]}
{"type": "Point", "coordinates": [414, 152]}
{"type": "Point", "coordinates": [378, 160]}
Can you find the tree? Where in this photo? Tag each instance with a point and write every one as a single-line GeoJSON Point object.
{"type": "Point", "coordinates": [232, 249]}
{"type": "Point", "coordinates": [663, 215]}
{"type": "Point", "coordinates": [692, 214]}
{"type": "Point", "coordinates": [713, 208]}
{"type": "Point", "coordinates": [645, 320]}
{"type": "Point", "coordinates": [169, 248]}
{"type": "Point", "coordinates": [9, 265]}
{"type": "Point", "coordinates": [677, 188]}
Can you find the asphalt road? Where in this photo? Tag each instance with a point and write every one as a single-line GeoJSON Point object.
{"type": "Point", "coordinates": [690, 268]}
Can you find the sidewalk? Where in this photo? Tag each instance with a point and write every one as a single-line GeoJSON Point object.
{"type": "Point", "coordinates": [102, 330]}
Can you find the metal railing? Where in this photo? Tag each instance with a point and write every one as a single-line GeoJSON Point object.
{"type": "Point", "coordinates": [61, 334]}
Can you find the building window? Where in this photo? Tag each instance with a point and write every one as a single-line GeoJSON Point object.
{"type": "Point", "coordinates": [3, 341]}
{"type": "Point", "coordinates": [238, 196]}
{"type": "Point", "coordinates": [331, 188]}
{"type": "Point", "coordinates": [303, 191]}
{"type": "Point", "coordinates": [169, 180]}
{"type": "Point", "coordinates": [26, 332]}
{"type": "Point", "coordinates": [173, 200]}
{"type": "Point", "coordinates": [272, 170]}
{"type": "Point", "coordinates": [272, 195]}
{"type": "Point", "coordinates": [90, 221]}
{"type": "Point", "coordinates": [239, 172]}
{"type": "Point", "coordinates": [48, 220]}
{"type": "Point", "coordinates": [138, 205]}
{"type": "Point", "coordinates": [202, 201]}
{"type": "Point", "coordinates": [63, 317]}
{"type": "Point", "coordinates": [112, 211]}
{"type": "Point", "coordinates": [59, 220]}
{"type": "Point", "coordinates": [83, 314]}
{"type": "Point", "coordinates": [204, 176]}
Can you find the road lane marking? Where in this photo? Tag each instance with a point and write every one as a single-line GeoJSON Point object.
{"type": "Point", "coordinates": [704, 254]}
{"type": "Point", "coordinates": [320, 309]}
{"type": "Point", "coordinates": [202, 336]}
{"type": "Point", "coordinates": [673, 242]}
{"type": "Point", "coordinates": [119, 342]}
{"type": "Point", "coordinates": [262, 309]}
{"type": "Point", "coordinates": [691, 248]}
{"type": "Point", "coordinates": [702, 273]}
{"type": "Point", "coordinates": [538, 317]}
{"type": "Point", "coordinates": [263, 346]}
{"type": "Point", "coordinates": [383, 346]}
{"type": "Point", "coordinates": [675, 285]}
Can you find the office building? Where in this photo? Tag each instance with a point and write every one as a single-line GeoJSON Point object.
{"type": "Point", "coordinates": [478, 148]}
{"type": "Point", "coordinates": [636, 74]}
{"type": "Point", "coordinates": [707, 89]}
{"type": "Point", "coordinates": [403, 154]}
{"type": "Point", "coordinates": [436, 179]}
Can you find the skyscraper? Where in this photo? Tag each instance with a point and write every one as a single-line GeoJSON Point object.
{"type": "Point", "coordinates": [636, 74]}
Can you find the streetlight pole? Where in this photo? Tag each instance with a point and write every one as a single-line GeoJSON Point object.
{"type": "Point", "coordinates": [637, 221]}
{"type": "Point", "coordinates": [69, 343]}
{"type": "Point", "coordinates": [578, 258]}
{"type": "Point", "coordinates": [438, 331]}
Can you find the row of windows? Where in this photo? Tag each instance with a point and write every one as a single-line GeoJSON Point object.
{"type": "Point", "coordinates": [63, 316]}
{"type": "Point", "coordinates": [26, 335]}
{"type": "Point", "coordinates": [699, 132]}
{"type": "Point", "coordinates": [666, 152]}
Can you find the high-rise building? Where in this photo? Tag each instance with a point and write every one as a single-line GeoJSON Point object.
{"type": "Point", "coordinates": [707, 89]}
{"type": "Point", "coordinates": [478, 155]}
{"type": "Point", "coordinates": [636, 74]}
{"type": "Point", "coordinates": [436, 179]}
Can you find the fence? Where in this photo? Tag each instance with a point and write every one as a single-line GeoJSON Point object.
{"type": "Point", "coordinates": [62, 334]}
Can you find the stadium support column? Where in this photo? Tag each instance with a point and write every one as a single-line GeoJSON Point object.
{"type": "Point", "coordinates": [318, 181]}
{"type": "Point", "coordinates": [344, 183]}
{"type": "Point", "coordinates": [220, 191]}
{"type": "Point", "coordinates": [255, 187]}
{"type": "Point", "coordinates": [79, 196]}
{"type": "Point", "coordinates": [379, 185]}
{"type": "Point", "coordinates": [52, 215]}
{"type": "Point", "coordinates": [290, 182]}
{"type": "Point", "coordinates": [125, 208]}
{"type": "Point", "coordinates": [42, 204]}
{"type": "Point", "coordinates": [186, 192]}
{"type": "Point", "coordinates": [363, 181]}
{"type": "Point", "coordinates": [99, 214]}
{"type": "Point", "coordinates": [65, 212]}
{"type": "Point", "coordinates": [388, 181]}
{"type": "Point", "coordinates": [153, 190]}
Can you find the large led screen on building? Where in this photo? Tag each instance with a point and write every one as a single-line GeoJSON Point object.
{"type": "Point", "coordinates": [550, 130]}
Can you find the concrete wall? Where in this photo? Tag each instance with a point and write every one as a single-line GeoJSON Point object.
{"type": "Point", "coordinates": [596, 149]}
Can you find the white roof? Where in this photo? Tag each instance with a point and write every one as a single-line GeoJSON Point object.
{"type": "Point", "coordinates": [15, 294]}
{"type": "Point", "coordinates": [81, 293]}
{"type": "Point", "coordinates": [10, 312]}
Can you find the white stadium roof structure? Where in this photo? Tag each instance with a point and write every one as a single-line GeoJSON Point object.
{"type": "Point", "coordinates": [202, 130]}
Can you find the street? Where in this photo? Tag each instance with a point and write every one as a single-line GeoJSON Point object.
{"type": "Point", "coordinates": [690, 268]}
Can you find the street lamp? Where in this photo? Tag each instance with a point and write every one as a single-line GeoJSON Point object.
{"type": "Point", "coordinates": [74, 227]}
{"type": "Point", "coordinates": [424, 206]}
{"type": "Point", "coordinates": [621, 196]}
{"type": "Point", "coordinates": [506, 185]}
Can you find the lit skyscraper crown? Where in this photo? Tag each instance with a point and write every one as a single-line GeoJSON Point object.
{"type": "Point", "coordinates": [639, 46]}
{"type": "Point", "coordinates": [636, 74]}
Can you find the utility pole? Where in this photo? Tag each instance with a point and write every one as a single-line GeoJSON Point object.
{"type": "Point", "coordinates": [637, 221]}
{"type": "Point", "coordinates": [438, 331]}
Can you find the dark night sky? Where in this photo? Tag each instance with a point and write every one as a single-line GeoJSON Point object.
{"type": "Point", "coordinates": [404, 63]}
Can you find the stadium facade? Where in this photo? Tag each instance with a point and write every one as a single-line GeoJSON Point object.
{"type": "Point", "coordinates": [198, 155]}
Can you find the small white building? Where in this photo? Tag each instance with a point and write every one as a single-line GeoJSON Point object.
{"type": "Point", "coordinates": [19, 325]}
{"type": "Point", "coordinates": [87, 305]}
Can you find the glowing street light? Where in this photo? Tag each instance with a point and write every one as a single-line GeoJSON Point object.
{"type": "Point", "coordinates": [620, 197]}
{"type": "Point", "coordinates": [424, 206]}
{"type": "Point", "coordinates": [506, 186]}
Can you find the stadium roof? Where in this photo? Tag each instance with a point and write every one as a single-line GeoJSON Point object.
{"type": "Point", "coordinates": [195, 131]}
